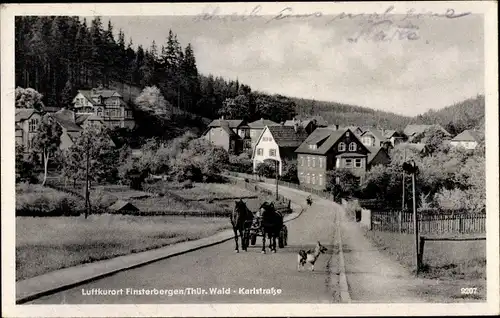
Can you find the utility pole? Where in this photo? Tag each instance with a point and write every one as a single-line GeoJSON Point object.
{"type": "Point", "coordinates": [87, 197]}
{"type": "Point", "coordinates": [412, 169]}
{"type": "Point", "coordinates": [404, 178]}
{"type": "Point", "coordinates": [277, 171]}
{"type": "Point", "coordinates": [415, 220]}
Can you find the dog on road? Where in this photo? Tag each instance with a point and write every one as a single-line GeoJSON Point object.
{"type": "Point", "coordinates": [311, 256]}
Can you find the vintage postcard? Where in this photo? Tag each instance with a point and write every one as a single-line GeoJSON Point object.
{"type": "Point", "coordinates": [250, 159]}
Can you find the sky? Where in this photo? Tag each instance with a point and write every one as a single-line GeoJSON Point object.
{"type": "Point", "coordinates": [430, 63]}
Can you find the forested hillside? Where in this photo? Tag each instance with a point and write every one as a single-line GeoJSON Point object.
{"type": "Point", "coordinates": [468, 114]}
{"type": "Point", "coordinates": [345, 115]}
{"type": "Point", "coordinates": [58, 55]}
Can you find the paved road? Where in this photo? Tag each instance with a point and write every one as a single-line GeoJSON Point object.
{"type": "Point", "coordinates": [219, 267]}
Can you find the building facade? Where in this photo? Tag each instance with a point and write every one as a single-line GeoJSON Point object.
{"type": "Point", "coordinates": [105, 104]}
{"type": "Point", "coordinates": [467, 139]}
{"type": "Point", "coordinates": [232, 135]}
{"type": "Point", "coordinates": [256, 128]}
{"type": "Point", "coordinates": [327, 149]}
{"type": "Point", "coordinates": [277, 143]}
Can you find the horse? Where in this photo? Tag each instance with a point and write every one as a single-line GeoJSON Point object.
{"type": "Point", "coordinates": [240, 218]}
{"type": "Point", "coordinates": [271, 225]}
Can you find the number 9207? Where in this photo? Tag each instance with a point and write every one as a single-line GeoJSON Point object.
{"type": "Point", "coordinates": [468, 291]}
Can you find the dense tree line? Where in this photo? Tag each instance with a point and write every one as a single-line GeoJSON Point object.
{"type": "Point", "coordinates": [56, 55]}
{"type": "Point", "coordinates": [467, 114]}
{"type": "Point", "coordinates": [346, 115]}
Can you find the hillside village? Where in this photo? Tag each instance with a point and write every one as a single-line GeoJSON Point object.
{"type": "Point", "coordinates": [124, 150]}
{"type": "Point", "coordinates": [161, 117]}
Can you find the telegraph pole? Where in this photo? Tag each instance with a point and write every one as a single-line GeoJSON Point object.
{"type": "Point", "coordinates": [403, 198]}
{"type": "Point", "coordinates": [412, 169]}
{"type": "Point", "coordinates": [277, 171]}
{"type": "Point", "coordinates": [87, 197]}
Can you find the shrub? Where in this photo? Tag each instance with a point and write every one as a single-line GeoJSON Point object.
{"type": "Point", "coordinates": [266, 169]}
{"type": "Point", "coordinates": [35, 200]}
{"type": "Point", "coordinates": [454, 199]}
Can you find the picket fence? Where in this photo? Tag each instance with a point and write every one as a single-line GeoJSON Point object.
{"type": "Point", "coordinates": [398, 221]}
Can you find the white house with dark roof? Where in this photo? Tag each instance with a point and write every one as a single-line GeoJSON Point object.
{"type": "Point", "coordinates": [277, 143]}
{"type": "Point", "coordinates": [256, 128]}
{"type": "Point", "coordinates": [106, 104]}
{"type": "Point", "coordinates": [467, 139]}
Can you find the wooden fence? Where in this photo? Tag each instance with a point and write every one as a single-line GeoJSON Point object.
{"type": "Point", "coordinates": [398, 221]}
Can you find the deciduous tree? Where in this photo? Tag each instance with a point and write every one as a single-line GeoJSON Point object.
{"type": "Point", "coordinates": [47, 141]}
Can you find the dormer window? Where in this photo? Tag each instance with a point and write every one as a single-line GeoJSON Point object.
{"type": "Point", "coordinates": [342, 146]}
{"type": "Point", "coordinates": [313, 147]}
{"type": "Point", "coordinates": [352, 146]}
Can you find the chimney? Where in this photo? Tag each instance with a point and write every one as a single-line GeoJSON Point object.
{"type": "Point", "coordinates": [336, 127]}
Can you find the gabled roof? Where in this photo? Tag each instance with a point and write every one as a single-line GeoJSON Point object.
{"type": "Point", "coordinates": [373, 153]}
{"type": "Point", "coordinates": [66, 118]}
{"type": "Point", "coordinates": [225, 126]}
{"type": "Point", "coordinates": [376, 133]}
{"type": "Point", "coordinates": [302, 123]}
{"type": "Point", "coordinates": [80, 118]}
{"type": "Point", "coordinates": [24, 113]}
{"type": "Point", "coordinates": [389, 133]}
{"type": "Point", "coordinates": [122, 205]}
{"type": "Point", "coordinates": [418, 129]}
{"type": "Point", "coordinates": [467, 135]}
{"type": "Point", "coordinates": [328, 137]}
{"type": "Point", "coordinates": [261, 123]}
{"type": "Point", "coordinates": [286, 136]}
{"type": "Point", "coordinates": [233, 123]}
{"type": "Point", "coordinates": [87, 94]}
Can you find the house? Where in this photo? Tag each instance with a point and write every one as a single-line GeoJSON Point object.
{"type": "Point", "coordinates": [278, 143]}
{"type": "Point", "coordinates": [414, 130]}
{"type": "Point", "coordinates": [377, 156]}
{"type": "Point", "coordinates": [122, 206]}
{"type": "Point", "coordinates": [70, 129]}
{"type": "Point", "coordinates": [232, 135]}
{"type": "Point", "coordinates": [421, 148]}
{"type": "Point", "coordinates": [327, 149]}
{"type": "Point", "coordinates": [106, 104]}
{"type": "Point", "coordinates": [393, 136]}
{"type": "Point", "coordinates": [309, 125]}
{"type": "Point", "coordinates": [256, 128]}
{"type": "Point", "coordinates": [373, 138]}
{"type": "Point", "coordinates": [27, 122]}
{"type": "Point", "coordinates": [467, 139]}
{"type": "Point", "coordinates": [356, 129]}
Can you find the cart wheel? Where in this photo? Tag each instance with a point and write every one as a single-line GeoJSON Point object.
{"type": "Point", "coordinates": [285, 236]}
{"type": "Point", "coordinates": [281, 239]}
{"type": "Point", "coordinates": [253, 239]}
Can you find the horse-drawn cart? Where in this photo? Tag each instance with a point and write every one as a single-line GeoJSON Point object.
{"type": "Point", "coordinates": [254, 229]}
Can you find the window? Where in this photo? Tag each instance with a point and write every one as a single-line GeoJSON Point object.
{"type": "Point", "coordinates": [358, 163]}
{"type": "Point", "coordinates": [313, 162]}
{"type": "Point", "coordinates": [302, 161]}
{"type": "Point", "coordinates": [33, 124]}
{"type": "Point", "coordinates": [347, 134]}
{"type": "Point", "coordinates": [272, 152]}
{"type": "Point", "coordinates": [320, 179]}
{"type": "Point", "coordinates": [313, 147]}
{"type": "Point", "coordinates": [348, 163]}
{"type": "Point", "coordinates": [369, 141]}
{"type": "Point", "coordinates": [342, 146]}
{"type": "Point", "coordinates": [352, 146]}
{"type": "Point", "coordinates": [308, 161]}
{"type": "Point", "coordinates": [252, 133]}
{"type": "Point", "coordinates": [308, 178]}
{"type": "Point", "coordinates": [320, 162]}
{"type": "Point", "coordinates": [313, 179]}
{"type": "Point", "coordinates": [260, 151]}
{"type": "Point", "coordinates": [337, 163]}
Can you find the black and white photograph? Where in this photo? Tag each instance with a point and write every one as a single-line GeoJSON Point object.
{"type": "Point", "coordinates": [268, 158]}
